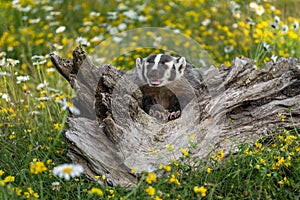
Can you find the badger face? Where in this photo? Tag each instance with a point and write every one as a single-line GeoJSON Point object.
{"type": "Point", "coordinates": [160, 69]}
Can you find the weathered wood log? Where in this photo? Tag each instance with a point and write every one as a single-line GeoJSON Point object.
{"type": "Point", "coordinates": [113, 134]}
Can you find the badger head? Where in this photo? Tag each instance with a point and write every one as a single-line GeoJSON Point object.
{"type": "Point", "coordinates": [160, 69]}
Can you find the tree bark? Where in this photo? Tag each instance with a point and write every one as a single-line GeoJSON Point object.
{"type": "Point", "coordinates": [112, 134]}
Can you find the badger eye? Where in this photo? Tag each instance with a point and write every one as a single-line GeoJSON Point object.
{"type": "Point", "coordinates": [173, 68]}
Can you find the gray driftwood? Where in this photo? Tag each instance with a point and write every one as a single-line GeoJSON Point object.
{"type": "Point", "coordinates": [113, 134]}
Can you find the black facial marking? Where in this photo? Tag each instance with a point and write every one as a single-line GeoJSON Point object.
{"type": "Point", "coordinates": [151, 58]}
{"type": "Point", "coordinates": [165, 58]}
{"type": "Point", "coordinates": [180, 68]}
{"type": "Point", "coordinates": [143, 73]}
{"type": "Point", "coordinates": [173, 74]}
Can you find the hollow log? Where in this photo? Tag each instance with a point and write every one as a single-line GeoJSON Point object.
{"type": "Point", "coordinates": [231, 105]}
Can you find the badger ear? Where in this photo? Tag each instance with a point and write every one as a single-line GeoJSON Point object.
{"type": "Point", "coordinates": [139, 63]}
{"type": "Point", "coordinates": [181, 64]}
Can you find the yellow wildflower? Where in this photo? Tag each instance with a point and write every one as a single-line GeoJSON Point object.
{"type": "Point", "coordinates": [208, 170]}
{"type": "Point", "coordinates": [202, 190]}
{"type": "Point", "coordinates": [175, 163]}
{"type": "Point", "coordinates": [18, 191]}
{"type": "Point", "coordinates": [220, 155]}
{"type": "Point", "coordinates": [157, 198]}
{"type": "Point", "coordinates": [258, 145]}
{"type": "Point", "coordinates": [280, 182]}
{"type": "Point", "coordinates": [246, 151]}
{"type": "Point", "coordinates": [37, 167]}
{"type": "Point", "coordinates": [97, 191]}
{"type": "Point", "coordinates": [262, 161]}
{"type": "Point", "coordinates": [133, 170]}
{"type": "Point", "coordinates": [150, 190]}
{"type": "Point", "coordinates": [167, 168]}
{"type": "Point", "coordinates": [173, 179]}
{"type": "Point", "coordinates": [112, 195]}
{"type": "Point", "coordinates": [57, 126]}
{"type": "Point", "coordinates": [31, 193]}
{"type": "Point", "coordinates": [27, 195]}
{"type": "Point", "coordinates": [184, 152]}
{"type": "Point", "coordinates": [192, 138]}
{"type": "Point", "coordinates": [12, 136]}
{"type": "Point", "coordinates": [1, 172]}
{"type": "Point", "coordinates": [151, 178]}
{"type": "Point", "coordinates": [9, 179]}
{"type": "Point", "coordinates": [286, 180]}
{"type": "Point", "coordinates": [280, 161]}
{"type": "Point", "coordinates": [170, 147]}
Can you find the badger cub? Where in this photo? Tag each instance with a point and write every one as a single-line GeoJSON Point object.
{"type": "Point", "coordinates": [159, 78]}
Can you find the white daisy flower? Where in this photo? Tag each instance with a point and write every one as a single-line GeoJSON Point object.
{"type": "Point", "coordinates": [130, 14]}
{"type": "Point", "coordinates": [69, 106]}
{"type": "Point", "coordinates": [47, 8]}
{"type": "Point", "coordinates": [274, 58]}
{"type": "Point", "coordinates": [42, 85]}
{"type": "Point", "coordinates": [55, 186]}
{"type": "Point", "coordinates": [95, 14]}
{"type": "Point", "coordinates": [22, 79]}
{"type": "Point", "coordinates": [259, 10]}
{"type": "Point", "coordinates": [142, 18]}
{"type": "Point", "coordinates": [6, 97]}
{"type": "Point", "coordinates": [284, 29]}
{"type": "Point", "coordinates": [277, 20]}
{"type": "Point", "coordinates": [55, 13]}
{"type": "Point", "coordinates": [267, 47]}
{"type": "Point", "coordinates": [49, 70]}
{"type": "Point", "coordinates": [57, 46]}
{"type": "Point", "coordinates": [206, 22]}
{"type": "Point", "coordinates": [2, 53]}
{"type": "Point", "coordinates": [68, 171]}
{"type": "Point", "coordinates": [5, 73]}
{"type": "Point", "coordinates": [26, 9]}
{"type": "Point", "coordinates": [117, 39]}
{"type": "Point", "coordinates": [176, 31]}
{"type": "Point", "coordinates": [112, 15]}
{"type": "Point", "coordinates": [228, 49]}
{"type": "Point", "coordinates": [295, 25]}
{"type": "Point", "coordinates": [97, 38]}
{"type": "Point", "coordinates": [34, 21]}
{"type": "Point", "coordinates": [35, 113]}
{"type": "Point", "coordinates": [37, 57]}
{"type": "Point", "coordinates": [274, 25]}
{"type": "Point", "coordinates": [253, 5]}
{"type": "Point", "coordinates": [39, 62]}
{"type": "Point", "coordinates": [12, 62]}
{"type": "Point", "coordinates": [113, 30]}
{"type": "Point", "coordinates": [83, 41]}
{"type": "Point", "coordinates": [122, 26]}
{"type": "Point", "coordinates": [60, 29]}
{"type": "Point", "coordinates": [2, 62]}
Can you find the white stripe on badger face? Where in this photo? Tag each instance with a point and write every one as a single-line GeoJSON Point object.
{"type": "Point", "coordinates": [156, 61]}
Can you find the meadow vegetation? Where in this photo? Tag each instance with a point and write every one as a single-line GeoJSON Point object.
{"type": "Point", "coordinates": [35, 99]}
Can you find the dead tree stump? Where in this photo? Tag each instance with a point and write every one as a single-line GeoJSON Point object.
{"type": "Point", "coordinates": [113, 134]}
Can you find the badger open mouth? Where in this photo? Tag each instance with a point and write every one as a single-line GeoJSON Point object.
{"type": "Point", "coordinates": [155, 82]}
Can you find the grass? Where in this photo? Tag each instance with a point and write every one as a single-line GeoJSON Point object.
{"type": "Point", "coordinates": [32, 119]}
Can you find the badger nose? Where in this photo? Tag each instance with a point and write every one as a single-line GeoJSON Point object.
{"type": "Point", "coordinates": [155, 74]}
